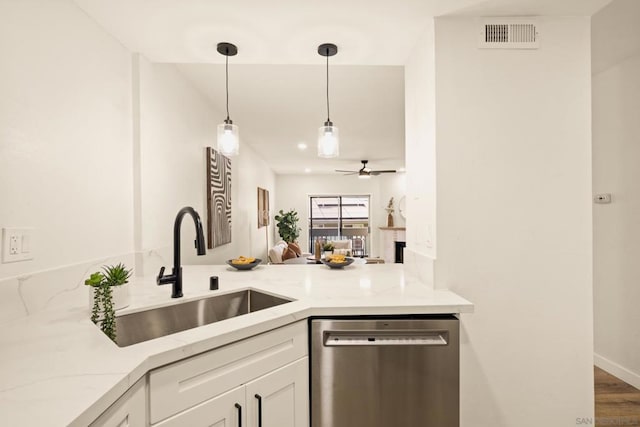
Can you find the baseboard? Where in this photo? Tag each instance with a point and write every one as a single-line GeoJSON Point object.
{"type": "Point", "coordinates": [617, 370]}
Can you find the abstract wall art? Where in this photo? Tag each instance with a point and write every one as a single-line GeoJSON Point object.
{"type": "Point", "coordinates": [218, 199]}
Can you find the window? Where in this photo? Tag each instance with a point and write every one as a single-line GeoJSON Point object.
{"type": "Point", "coordinates": [340, 218]}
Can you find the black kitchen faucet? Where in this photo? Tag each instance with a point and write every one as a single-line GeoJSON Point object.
{"type": "Point", "coordinates": [175, 277]}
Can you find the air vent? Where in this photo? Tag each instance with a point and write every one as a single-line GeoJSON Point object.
{"type": "Point", "coordinates": [509, 34]}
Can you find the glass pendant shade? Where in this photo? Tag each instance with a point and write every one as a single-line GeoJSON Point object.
{"type": "Point", "coordinates": [328, 137]}
{"type": "Point", "coordinates": [228, 134]}
{"type": "Point", "coordinates": [228, 139]}
{"type": "Point", "coordinates": [328, 141]}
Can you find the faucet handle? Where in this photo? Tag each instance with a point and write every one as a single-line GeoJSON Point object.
{"type": "Point", "coordinates": [160, 275]}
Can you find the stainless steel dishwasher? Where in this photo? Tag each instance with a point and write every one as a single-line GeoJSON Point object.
{"type": "Point", "coordinates": [379, 372]}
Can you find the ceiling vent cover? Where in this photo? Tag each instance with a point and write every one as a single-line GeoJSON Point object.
{"type": "Point", "coordinates": [509, 33]}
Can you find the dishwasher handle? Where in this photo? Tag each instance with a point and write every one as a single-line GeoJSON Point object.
{"type": "Point", "coordinates": [352, 338]}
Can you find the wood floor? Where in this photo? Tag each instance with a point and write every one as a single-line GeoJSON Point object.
{"type": "Point", "coordinates": [617, 403]}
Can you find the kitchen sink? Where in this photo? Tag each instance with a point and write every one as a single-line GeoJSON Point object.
{"type": "Point", "coordinates": [158, 322]}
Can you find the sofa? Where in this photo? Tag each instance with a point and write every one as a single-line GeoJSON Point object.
{"type": "Point", "coordinates": [342, 247]}
{"type": "Point", "coordinates": [281, 252]}
{"type": "Point", "coordinates": [275, 253]}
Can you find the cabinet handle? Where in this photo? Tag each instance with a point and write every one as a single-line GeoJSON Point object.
{"type": "Point", "coordinates": [239, 407]}
{"type": "Point", "coordinates": [259, 410]}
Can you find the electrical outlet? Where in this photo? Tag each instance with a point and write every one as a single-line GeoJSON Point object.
{"type": "Point", "coordinates": [13, 245]}
{"type": "Point", "coordinates": [17, 244]}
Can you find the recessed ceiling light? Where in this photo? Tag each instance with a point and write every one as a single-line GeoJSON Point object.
{"type": "Point", "coordinates": [302, 146]}
{"type": "Point", "coordinates": [307, 170]}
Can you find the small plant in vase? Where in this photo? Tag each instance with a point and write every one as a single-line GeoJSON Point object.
{"type": "Point", "coordinates": [102, 283]}
{"type": "Point", "coordinates": [327, 249]}
{"type": "Point", "coordinates": [390, 210]}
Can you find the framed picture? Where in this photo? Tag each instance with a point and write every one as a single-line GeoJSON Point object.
{"type": "Point", "coordinates": [218, 199]}
{"type": "Point", "coordinates": [263, 207]}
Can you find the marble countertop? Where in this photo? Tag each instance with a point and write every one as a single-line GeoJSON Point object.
{"type": "Point", "coordinates": [57, 368]}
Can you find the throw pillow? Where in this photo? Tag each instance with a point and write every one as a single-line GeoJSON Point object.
{"type": "Point", "coordinates": [295, 248]}
{"type": "Point", "coordinates": [288, 253]}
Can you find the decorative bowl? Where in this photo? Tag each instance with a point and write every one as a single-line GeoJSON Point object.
{"type": "Point", "coordinates": [331, 264]}
{"type": "Point", "coordinates": [244, 266]}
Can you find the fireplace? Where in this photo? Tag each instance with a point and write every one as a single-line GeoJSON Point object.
{"type": "Point", "coordinates": [390, 238]}
{"type": "Point", "coordinates": [399, 258]}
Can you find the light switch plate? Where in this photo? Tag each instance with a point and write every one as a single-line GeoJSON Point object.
{"type": "Point", "coordinates": [17, 244]}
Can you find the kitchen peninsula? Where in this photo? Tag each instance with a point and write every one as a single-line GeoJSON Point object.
{"type": "Point", "coordinates": [57, 368]}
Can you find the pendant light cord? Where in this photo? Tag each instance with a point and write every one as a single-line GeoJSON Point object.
{"type": "Point", "coordinates": [328, 115]}
{"type": "Point", "coordinates": [227, 80]}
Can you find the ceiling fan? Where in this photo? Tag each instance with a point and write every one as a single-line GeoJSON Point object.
{"type": "Point", "coordinates": [366, 172]}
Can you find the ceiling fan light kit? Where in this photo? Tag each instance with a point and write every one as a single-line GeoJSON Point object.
{"type": "Point", "coordinates": [228, 133]}
{"type": "Point", "coordinates": [328, 134]}
{"type": "Point", "coordinates": [365, 172]}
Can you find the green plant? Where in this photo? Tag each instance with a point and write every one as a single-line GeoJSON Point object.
{"type": "Point", "coordinates": [95, 281]}
{"type": "Point", "coordinates": [113, 275]}
{"type": "Point", "coordinates": [328, 247]}
{"type": "Point", "coordinates": [116, 275]}
{"type": "Point", "coordinates": [287, 223]}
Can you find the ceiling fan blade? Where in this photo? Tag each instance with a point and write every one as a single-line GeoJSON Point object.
{"type": "Point", "coordinates": [383, 171]}
{"type": "Point", "coordinates": [340, 170]}
{"type": "Point", "coordinates": [350, 173]}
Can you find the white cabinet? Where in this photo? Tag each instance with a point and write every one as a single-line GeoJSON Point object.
{"type": "Point", "coordinates": [226, 410]}
{"type": "Point", "coordinates": [207, 389]}
{"type": "Point", "coordinates": [128, 410]}
{"type": "Point", "coordinates": [281, 398]}
{"type": "Point", "coordinates": [278, 399]}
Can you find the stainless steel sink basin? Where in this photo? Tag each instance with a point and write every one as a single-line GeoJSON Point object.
{"type": "Point", "coordinates": [158, 322]}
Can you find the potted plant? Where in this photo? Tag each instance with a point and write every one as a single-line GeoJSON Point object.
{"type": "Point", "coordinates": [327, 249]}
{"type": "Point", "coordinates": [287, 223]}
{"type": "Point", "coordinates": [104, 285]}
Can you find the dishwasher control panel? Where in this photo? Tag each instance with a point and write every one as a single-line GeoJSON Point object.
{"type": "Point", "coordinates": [346, 338]}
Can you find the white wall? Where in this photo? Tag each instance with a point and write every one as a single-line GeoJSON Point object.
{"type": "Point", "coordinates": [176, 125]}
{"type": "Point", "coordinates": [390, 185]}
{"type": "Point", "coordinates": [514, 220]}
{"type": "Point", "coordinates": [98, 152]}
{"type": "Point", "coordinates": [420, 157]}
{"type": "Point", "coordinates": [420, 145]}
{"type": "Point", "coordinates": [616, 227]}
{"type": "Point", "coordinates": [65, 135]}
{"type": "Point", "coordinates": [293, 192]}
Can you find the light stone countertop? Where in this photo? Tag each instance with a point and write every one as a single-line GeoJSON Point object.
{"type": "Point", "coordinates": [57, 368]}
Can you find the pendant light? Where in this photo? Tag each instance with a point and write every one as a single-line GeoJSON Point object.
{"type": "Point", "coordinates": [328, 142]}
{"type": "Point", "coordinates": [228, 137]}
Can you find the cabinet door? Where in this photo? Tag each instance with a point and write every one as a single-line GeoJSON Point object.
{"type": "Point", "coordinates": [226, 410]}
{"type": "Point", "coordinates": [185, 384]}
{"type": "Point", "coordinates": [128, 411]}
{"type": "Point", "coordinates": [280, 398]}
